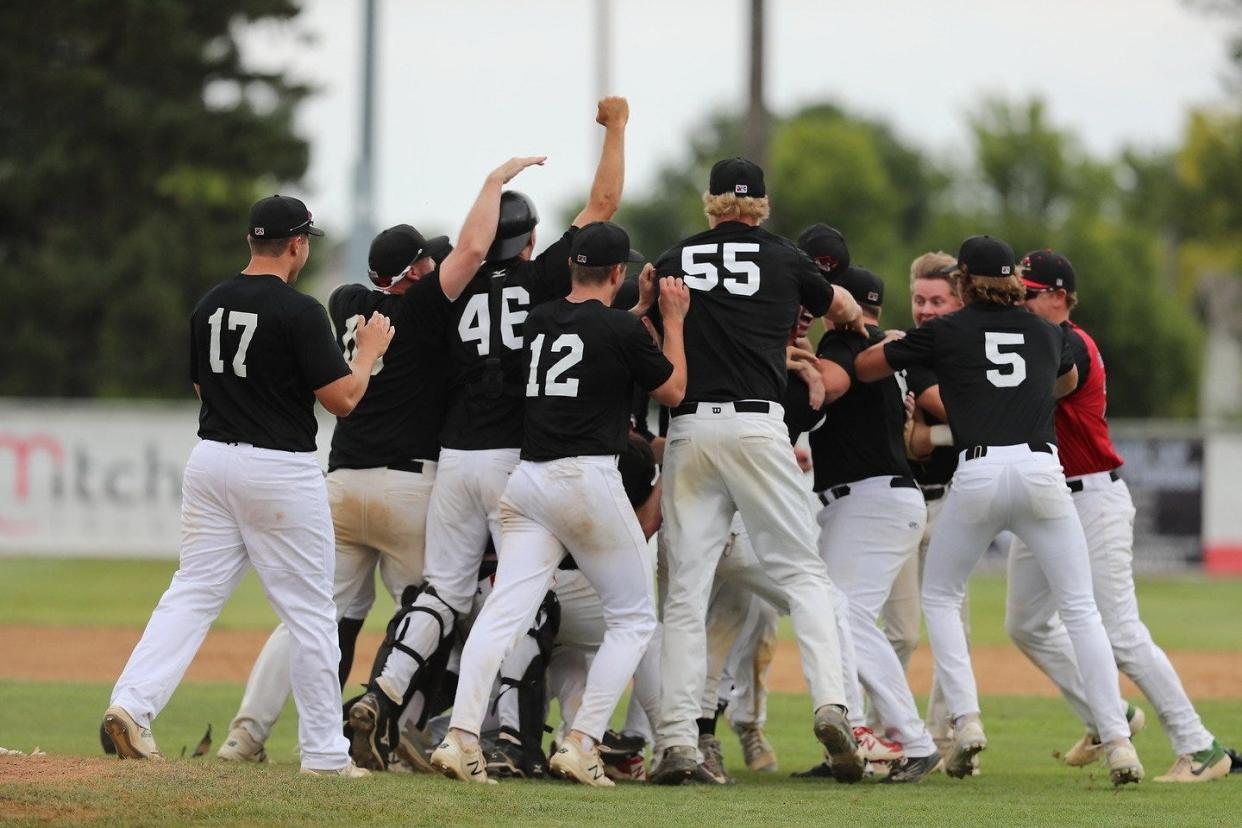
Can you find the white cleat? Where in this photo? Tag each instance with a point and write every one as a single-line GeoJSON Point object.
{"type": "Point", "coordinates": [132, 740]}
{"type": "Point", "coordinates": [240, 746]}
{"type": "Point", "coordinates": [573, 763]}
{"type": "Point", "coordinates": [969, 740]}
{"type": "Point", "coordinates": [1123, 763]}
{"type": "Point", "coordinates": [350, 771]}
{"type": "Point", "coordinates": [456, 762]}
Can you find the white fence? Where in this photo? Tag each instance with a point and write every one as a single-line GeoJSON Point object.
{"type": "Point", "coordinates": [100, 478]}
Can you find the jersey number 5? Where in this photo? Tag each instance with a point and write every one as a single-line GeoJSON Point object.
{"type": "Point", "coordinates": [992, 342]}
{"type": "Point", "coordinates": [237, 319]}
{"type": "Point", "coordinates": [553, 385]}
{"type": "Point", "coordinates": [742, 279]}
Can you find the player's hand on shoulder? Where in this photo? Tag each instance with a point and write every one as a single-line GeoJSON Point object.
{"type": "Point", "coordinates": [613, 111]}
{"type": "Point", "coordinates": [795, 355]}
{"type": "Point", "coordinates": [674, 298]}
{"type": "Point", "coordinates": [374, 334]}
{"type": "Point", "coordinates": [507, 171]}
{"type": "Point", "coordinates": [893, 335]}
{"type": "Point", "coordinates": [646, 288]}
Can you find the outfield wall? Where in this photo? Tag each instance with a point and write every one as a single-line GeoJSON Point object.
{"type": "Point", "coordinates": [102, 478]}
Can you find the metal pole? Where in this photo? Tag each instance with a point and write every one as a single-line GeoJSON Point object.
{"type": "Point", "coordinates": [756, 112]}
{"type": "Point", "coordinates": [363, 227]}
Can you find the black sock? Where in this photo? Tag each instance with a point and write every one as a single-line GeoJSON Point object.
{"type": "Point", "coordinates": [707, 727]}
{"type": "Point", "coordinates": [347, 630]}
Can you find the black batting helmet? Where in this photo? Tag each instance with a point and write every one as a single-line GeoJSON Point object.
{"type": "Point", "coordinates": [518, 218]}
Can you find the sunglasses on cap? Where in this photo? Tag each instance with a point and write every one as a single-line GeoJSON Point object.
{"type": "Point", "coordinates": [1031, 293]}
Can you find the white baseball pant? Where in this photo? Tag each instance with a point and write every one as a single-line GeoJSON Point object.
{"type": "Point", "coordinates": [1107, 515]}
{"type": "Point", "coordinates": [746, 668]}
{"type": "Point", "coordinates": [379, 517]}
{"type": "Point", "coordinates": [575, 505]}
{"type": "Point", "coordinates": [718, 461]}
{"type": "Point", "coordinates": [244, 506]}
{"type": "Point", "coordinates": [1015, 488]}
{"type": "Point", "coordinates": [866, 536]}
{"type": "Point", "coordinates": [464, 510]}
{"type": "Point", "coordinates": [902, 617]}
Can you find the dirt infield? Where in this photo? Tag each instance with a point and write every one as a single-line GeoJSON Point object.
{"type": "Point", "coordinates": [97, 655]}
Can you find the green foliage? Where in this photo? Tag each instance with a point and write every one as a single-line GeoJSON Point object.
{"type": "Point", "coordinates": [132, 142]}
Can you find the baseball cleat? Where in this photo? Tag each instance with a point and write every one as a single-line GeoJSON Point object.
{"type": "Point", "coordinates": [368, 719]}
{"type": "Point", "coordinates": [507, 759]}
{"type": "Point", "coordinates": [456, 762]}
{"type": "Point", "coordinates": [577, 765]}
{"type": "Point", "coordinates": [834, 733]}
{"type": "Point", "coordinates": [876, 748]}
{"type": "Point", "coordinates": [240, 746]}
{"type": "Point", "coordinates": [1204, 766]}
{"type": "Point", "coordinates": [132, 740]}
{"type": "Point", "coordinates": [821, 771]}
{"type": "Point", "coordinates": [620, 744]}
{"type": "Point", "coordinates": [619, 768]}
{"type": "Point", "coordinates": [968, 742]}
{"type": "Point", "coordinates": [713, 758]}
{"type": "Point", "coordinates": [676, 765]}
{"type": "Point", "coordinates": [350, 771]}
{"type": "Point", "coordinates": [1088, 749]}
{"type": "Point", "coordinates": [913, 769]}
{"type": "Point", "coordinates": [756, 749]}
{"type": "Point", "coordinates": [1123, 763]}
{"type": "Point", "coordinates": [705, 775]}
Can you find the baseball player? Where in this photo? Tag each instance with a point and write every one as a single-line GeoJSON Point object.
{"type": "Point", "coordinates": [934, 292]}
{"type": "Point", "coordinates": [728, 451]}
{"type": "Point", "coordinates": [1103, 503]}
{"type": "Point", "coordinates": [481, 439]}
{"type": "Point", "coordinates": [382, 464]}
{"type": "Point", "coordinates": [870, 524]}
{"type": "Point", "coordinates": [261, 353]}
{"type": "Point", "coordinates": [566, 496]}
{"type": "Point", "coordinates": [1001, 369]}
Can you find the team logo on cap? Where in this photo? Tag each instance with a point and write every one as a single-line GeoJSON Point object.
{"type": "Point", "coordinates": [740, 188]}
{"type": "Point", "coordinates": [582, 258]}
{"type": "Point", "coordinates": [259, 231]}
{"type": "Point", "coordinates": [1005, 270]}
{"type": "Point", "coordinates": [872, 296]}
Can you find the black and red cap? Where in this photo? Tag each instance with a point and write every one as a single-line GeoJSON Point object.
{"type": "Point", "coordinates": [279, 217]}
{"type": "Point", "coordinates": [740, 176]}
{"type": "Point", "coordinates": [1047, 270]}
{"type": "Point", "coordinates": [826, 245]}
{"type": "Point", "coordinates": [601, 244]}
{"type": "Point", "coordinates": [986, 256]}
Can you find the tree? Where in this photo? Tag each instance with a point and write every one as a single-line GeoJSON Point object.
{"type": "Point", "coordinates": [132, 142]}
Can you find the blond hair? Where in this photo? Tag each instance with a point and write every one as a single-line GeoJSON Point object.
{"type": "Point", "coordinates": [937, 265]}
{"type": "Point", "coordinates": [727, 205]}
{"type": "Point", "coordinates": [993, 290]}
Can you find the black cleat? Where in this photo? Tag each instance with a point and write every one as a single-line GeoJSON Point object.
{"type": "Point", "coordinates": [820, 771]}
{"type": "Point", "coordinates": [369, 720]}
{"type": "Point", "coordinates": [913, 769]}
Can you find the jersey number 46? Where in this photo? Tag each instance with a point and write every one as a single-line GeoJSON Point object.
{"type": "Point", "coordinates": [476, 323]}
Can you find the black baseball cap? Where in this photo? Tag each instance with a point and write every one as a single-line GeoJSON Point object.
{"type": "Point", "coordinates": [601, 243]}
{"type": "Point", "coordinates": [395, 249]}
{"type": "Point", "coordinates": [866, 287]}
{"type": "Point", "coordinates": [739, 176]}
{"type": "Point", "coordinates": [1046, 268]}
{"type": "Point", "coordinates": [986, 256]}
{"type": "Point", "coordinates": [279, 217]}
{"type": "Point", "coordinates": [826, 245]}
{"type": "Point", "coordinates": [438, 248]}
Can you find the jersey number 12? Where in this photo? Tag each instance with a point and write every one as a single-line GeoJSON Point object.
{"type": "Point", "coordinates": [237, 319]}
{"type": "Point", "coordinates": [553, 385]}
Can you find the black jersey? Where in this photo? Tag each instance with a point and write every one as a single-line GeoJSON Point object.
{"type": "Point", "coordinates": [258, 351]}
{"type": "Point", "coordinates": [938, 468]}
{"type": "Point", "coordinates": [487, 383]}
{"type": "Point", "coordinates": [583, 359]}
{"type": "Point", "coordinates": [400, 416]}
{"type": "Point", "coordinates": [997, 367]}
{"type": "Point", "coordinates": [862, 434]}
{"type": "Point", "coordinates": [747, 285]}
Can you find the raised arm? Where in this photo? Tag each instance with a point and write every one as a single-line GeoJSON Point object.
{"type": "Point", "coordinates": [479, 230]}
{"type": "Point", "coordinates": [605, 198]}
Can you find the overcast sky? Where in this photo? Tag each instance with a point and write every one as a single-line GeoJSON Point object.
{"type": "Point", "coordinates": [463, 85]}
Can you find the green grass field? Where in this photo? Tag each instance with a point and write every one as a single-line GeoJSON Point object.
{"type": "Point", "coordinates": [1022, 784]}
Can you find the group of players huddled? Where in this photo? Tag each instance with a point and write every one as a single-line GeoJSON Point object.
{"type": "Point", "coordinates": [496, 458]}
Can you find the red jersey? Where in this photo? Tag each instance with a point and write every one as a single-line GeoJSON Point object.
{"type": "Point", "coordinates": [1082, 425]}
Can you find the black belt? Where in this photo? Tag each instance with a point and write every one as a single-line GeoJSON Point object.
{"type": "Point", "coordinates": [975, 452]}
{"type": "Point", "coordinates": [838, 492]}
{"type": "Point", "coordinates": [1075, 486]}
{"type": "Point", "coordinates": [931, 493]}
{"type": "Point", "coordinates": [745, 406]}
{"type": "Point", "coordinates": [415, 466]}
